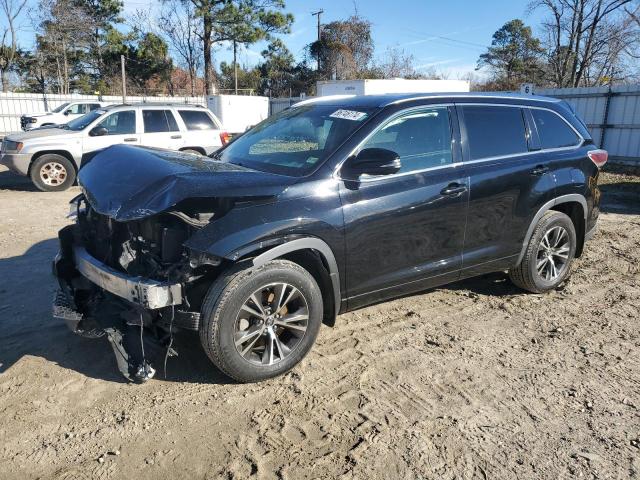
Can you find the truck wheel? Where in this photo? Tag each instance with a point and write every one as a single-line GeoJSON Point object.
{"type": "Point", "coordinates": [547, 260]}
{"type": "Point", "coordinates": [52, 173]}
{"type": "Point", "coordinates": [260, 322]}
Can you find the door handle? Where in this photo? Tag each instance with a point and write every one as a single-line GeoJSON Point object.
{"type": "Point", "coordinates": [539, 170]}
{"type": "Point", "coordinates": [130, 139]}
{"type": "Point", "coordinates": [453, 189]}
{"type": "Point", "coordinates": [175, 137]}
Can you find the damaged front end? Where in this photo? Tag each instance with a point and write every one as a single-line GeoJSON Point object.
{"type": "Point", "coordinates": [126, 278]}
{"type": "Point", "coordinates": [130, 263]}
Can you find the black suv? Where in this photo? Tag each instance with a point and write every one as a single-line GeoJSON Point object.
{"type": "Point", "coordinates": [329, 206]}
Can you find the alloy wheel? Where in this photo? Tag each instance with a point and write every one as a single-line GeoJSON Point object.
{"type": "Point", "coordinates": [53, 174]}
{"type": "Point", "coordinates": [553, 254]}
{"type": "Point", "coordinates": [271, 323]}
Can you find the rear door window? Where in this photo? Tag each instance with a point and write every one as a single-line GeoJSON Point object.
{"type": "Point", "coordinates": [197, 120]}
{"type": "Point", "coordinates": [553, 131]}
{"type": "Point", "coordinates": [494, 131]}
{"type": "Point", "coordinates": [157, 121]}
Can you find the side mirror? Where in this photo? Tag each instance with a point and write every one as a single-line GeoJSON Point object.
{"type": "Point", "coordinates": [98, 132]}
{"type": "Point", "coordinates": [375, 161]}
{"type": "Point", "coordinates": [67, 112]}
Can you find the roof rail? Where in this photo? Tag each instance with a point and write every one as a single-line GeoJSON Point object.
{"type": "Point", "coordinates": [157, 104]}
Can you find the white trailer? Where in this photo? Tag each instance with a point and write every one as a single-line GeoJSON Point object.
{"type": "Point", "coordinates": [238, 112]}
{"type": "Point", "coordinates": [397, 85]}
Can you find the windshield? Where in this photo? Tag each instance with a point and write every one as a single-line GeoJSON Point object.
{"type": "Point", "coordinates": [60, 108]}
{"type": "Point", "coordinates": [82, 122]}
{"type": "Point", "coordinates": [296, 141]}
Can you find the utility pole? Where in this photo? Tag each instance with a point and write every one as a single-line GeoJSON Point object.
{"type": "Point", "coordinates": [124, 80]}
{"type": "Point", "coordinates": [235, 68]}
{"type": "Point", "coordinates": [317, 14]}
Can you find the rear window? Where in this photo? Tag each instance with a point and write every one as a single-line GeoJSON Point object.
{"type": "Point", "coordinates": [494, 131]}
{"type": "Point", "coordinates": [156, 121]}
{"type": "Point", "coordinates": [197, 120]}
{"type": "Point", "coordinates": [553, 130]}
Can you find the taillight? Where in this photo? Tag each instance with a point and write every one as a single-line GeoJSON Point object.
{"type": "Point", "coordinates": [225, 137]}
{"type": "Point", "coordinates": [599, 157]}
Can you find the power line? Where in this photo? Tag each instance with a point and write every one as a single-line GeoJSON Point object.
{"type": "Point", "coordinates": [441, 38]}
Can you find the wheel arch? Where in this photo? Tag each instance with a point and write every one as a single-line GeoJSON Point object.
{"type": "Point", "coordinates": [62, 153]}
{"type": "Point", "coordinates": [573, 205]}
{"type": "Point", "coordinates": [197, 149]}
{"type": "Point", "coordinates": [317, 257]}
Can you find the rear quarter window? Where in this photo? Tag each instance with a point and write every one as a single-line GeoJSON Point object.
{"type": "Point", "coordinates": [553, 131]}
{"type": "Point", "coordinates": [197, 120]}
{"type": "Point", "coordinates": [494, 131]}
{"type": "Point", "coordinates": [156, 121]}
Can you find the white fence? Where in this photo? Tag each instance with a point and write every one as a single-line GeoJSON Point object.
{"type": "Point", "coordinates": [612, 115]}
{"type": "Point", "coordinates": [278, 104]}
{"type": "Point", "coordinates": [14, 105]}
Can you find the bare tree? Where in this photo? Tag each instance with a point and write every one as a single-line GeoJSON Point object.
{"type": "Point", "coordinates": [180, 24]}
{"type": "Point", "coordinates": [65, 32]}
{"type": "Point", "coordinates": [11, 10]}
{"type": "Point", "coordinates": [396, 63]}
{"type": "Point", "coordinates": [581, 38]}
{"type": "Point", "coordinates": [345, 48]}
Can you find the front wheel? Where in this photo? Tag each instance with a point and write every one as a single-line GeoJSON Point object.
{"type": "Point", "coordinates": [52, 173]}
{"type": "Point", "coordinates": [547, 260]}
{"type": "Point", "coordinates": [258, 323]}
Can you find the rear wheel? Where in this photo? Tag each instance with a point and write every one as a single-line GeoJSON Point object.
{"type": "Point", "coordinates": [259, 323]}
{"type": "Point", "coordinates": [547, 260]}
{"type": "Point", "coordinates": [52, 173]}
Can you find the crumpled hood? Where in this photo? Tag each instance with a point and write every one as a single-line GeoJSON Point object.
{"type": "Point", "coordinates": [128, 183]}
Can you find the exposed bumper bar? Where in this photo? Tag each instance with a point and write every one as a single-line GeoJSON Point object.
{"type": "Point", "coordinates": [143, 291]}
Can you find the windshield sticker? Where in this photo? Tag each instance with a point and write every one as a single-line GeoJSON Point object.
{"type": "Point", "coordinates": [348, 115]}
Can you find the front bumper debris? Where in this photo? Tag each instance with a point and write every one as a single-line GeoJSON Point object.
{"type": "Point", "coordinates": [95, 299]}
{"type": "Point", "coordinates": [64, 308]}
{"type": "Point", "coordinates": [148, 293]}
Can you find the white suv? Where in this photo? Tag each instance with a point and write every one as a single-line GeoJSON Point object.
{"type": "Point", "coordinates": [52, 156]}
{"type": "Point", "coordinates": [60, 115]}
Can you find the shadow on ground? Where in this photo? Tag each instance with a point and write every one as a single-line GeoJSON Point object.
{"type": "Point", "coordinates": [13, 181]}
{"type": "Point", "coordinates": [620, 197]}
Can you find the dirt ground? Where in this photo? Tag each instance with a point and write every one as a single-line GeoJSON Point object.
{"type": "Point", "coordinates": [476, 380]}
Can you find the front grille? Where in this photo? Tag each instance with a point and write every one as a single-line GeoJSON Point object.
{"type": "Point", "coordinates": [103, 237]}
{"type": "Point", "coordinates": [144, 247]}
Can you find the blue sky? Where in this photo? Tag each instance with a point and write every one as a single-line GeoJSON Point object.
{"type": "Point", "coordinates": [417, 26]}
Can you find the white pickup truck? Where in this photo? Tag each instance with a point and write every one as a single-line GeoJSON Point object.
{"type": "Point", "coordinates": [60, 115]}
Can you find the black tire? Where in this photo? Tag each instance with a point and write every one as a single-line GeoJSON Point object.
{"type": "Point", "coordinates": [224, 301]}
{"type": "Point", "coordinates": [526, 274]}
{"type": "Point", "coordinates": [63, 173]}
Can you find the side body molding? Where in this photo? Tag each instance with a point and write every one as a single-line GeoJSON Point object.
{"type": "Point", "coordinates": [572, 197]}
{"type": "Point", "coordinates": [308, 243]}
